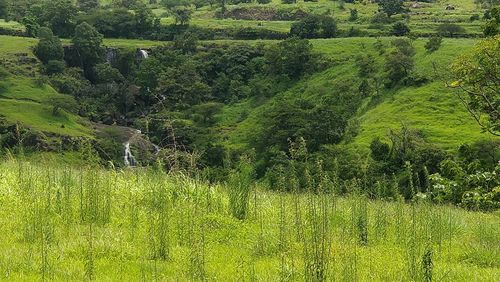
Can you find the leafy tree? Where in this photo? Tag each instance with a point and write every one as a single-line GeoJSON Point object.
{"type": "Point", "coordinates": [182, 15]}
{"type": "Point", "coordinates": [400, 29]}
{"type": "Point", "coordinates": [366, 65]}
{"type": "Point", "coordinates": [88, 5]}
{"type": "Point", "coordinates": [476, 76]}
{"type": "Point", "coordinates": [105, 73]}
{"type": "Point", "coordinates": [88, 43]}
{"type": "Point", "coordinates": [492, 27]}
{"type": "Point", "coordinates": [314, 26]}
{"type": "Point", "coordinates": [353, 15]}
{"type": "Point", "coordinates": [291, 57]}
{"type": "Point", "coordinates": [399, 62]}
{"type": "Point", "coordinates": [55, 67]}
{"type": "Point", "coordinates": [58, 15]}
{"type": "Point", "coordinates": [449, 29]}
{"type": "Point", "coordinates": [433, 43]}
{"type": "Point", "coordinates": [180, 87]}
{"type": "Point", "coordinates": [186, 42]}
{"type": "Point", "coordinates": [380, 151]}
{"type": "Point", "coordinates": [49, 47]}
{"type": "Point", "coordinates": [391, 7]}
{"type": "Point", "coordinates": [3, 9]}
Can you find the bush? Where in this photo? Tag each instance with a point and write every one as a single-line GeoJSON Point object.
{"type": "Point", "coordinates": [450, 30]}
{"type": "Point", "coordinates": [474, 17]}
{"type": "Point", "coordinates": [49, 47]}
{"type": "Point", "coordinates": [353, 15]}
{"type": "Point", "coordinates": [55, 67]}
{"type": "Point", "coordinates": [400, 29]}
{"type": "Point", "coordinates": [380, 18]}
{"type": "Point", "coordinates": [433, 43]}
{"type": "Point", "coordinates": [314, 26]}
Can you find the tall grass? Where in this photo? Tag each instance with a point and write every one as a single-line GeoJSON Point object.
{"type": "Point", "coordinates": [69, 224]}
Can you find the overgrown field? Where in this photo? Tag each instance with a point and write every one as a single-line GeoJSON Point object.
{"type": "Point", "coordinates": [68, 224]}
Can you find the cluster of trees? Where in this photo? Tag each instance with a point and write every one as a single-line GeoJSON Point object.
{"type": "Point", "coordinates": [314, 26]}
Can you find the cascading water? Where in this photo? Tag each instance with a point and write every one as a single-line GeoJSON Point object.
{"type": "Point", "coordinates": [129, 159]}
{"type": "Point", "coordinates": [144, 54]}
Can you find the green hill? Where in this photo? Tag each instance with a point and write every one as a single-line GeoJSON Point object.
{"type": "Point", "coordinates": [431, 108]}
{"type": "Point", "coordinates": [26, 99]}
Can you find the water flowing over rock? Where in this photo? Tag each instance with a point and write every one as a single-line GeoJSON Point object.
{"type": "Point", "coordinates": [143, 53]}
{"type": "Point", "coordinates": [129, 159]}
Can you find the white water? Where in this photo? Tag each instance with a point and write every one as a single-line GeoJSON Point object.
{"type": "Point", "coordinates": [129, 159]}
{"type": "Point", "coordinates": [144, 54]}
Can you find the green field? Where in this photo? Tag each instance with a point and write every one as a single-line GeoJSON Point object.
{"type": "Point", "coordinates": [66, 224]}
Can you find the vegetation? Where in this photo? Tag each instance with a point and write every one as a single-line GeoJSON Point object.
{"type": "Point", "coordinates": [147, 224]}
{"type": "Point", "coordinates": [249, 140]}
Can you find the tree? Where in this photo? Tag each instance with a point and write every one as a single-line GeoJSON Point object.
{"type": "Point", "coordinates": [3, 9]}
{"type": "Point", "coordinates": [49, 47]}
{"type": "Point", "coordinates": [449, 29]}
{"type": "Point", "coordinates": [400, 29]}
{"type": "Point", "coordinates": [291, 57]}
{"type": "Point", "coordinates": [492, 27]}
{"type": "Point", "coordinates": [182, 15]}
{"type": "Point", "coordinates": [477, 79]}
{"type": "Point", "coordinates": [186, 42]}
{"type": "Point", "coordinates": [433, 44]}
{"type": "Point", "coordinates": [314, 26]}
{"type": "Point", "coordinates": [88, 43]}
{"type": "Point", "coordinates": [88, 5]}
{"type": "Point", "coordinates": [391, 7]}
{"type": "Point", "coordinates": [353, 15]}
{"type": "Point", "coordinates": [105, 73]}
{"type": "Point", "coordinates": [181, 87]}
{"type": "Point", "coordinates": [58, 15]}
{"type": "Point", "coordinates": [399, 62]}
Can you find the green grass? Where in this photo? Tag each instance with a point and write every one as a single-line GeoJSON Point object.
{"type": "Point", "coordinates": [67, 224]}
{"type": "Point", "coordinates": [431, 108]}
{"type": "Point", "coordinates": [10, 45]}
{"type": "Point", "coordinates": [40, 117]}
{"type": "Point", "coordinates": [11, 25]}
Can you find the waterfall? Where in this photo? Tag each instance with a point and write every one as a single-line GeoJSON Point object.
{"type": "Point", "coordinates": [129, 159]}
{"type": "Point", "coordinates": [143, 54]}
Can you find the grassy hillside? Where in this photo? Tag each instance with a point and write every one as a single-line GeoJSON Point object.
{"type": "Point", "coordinates": [431, 108]}
{"type": "Point", "coordinates": [26, 99]}
{"type": "Point", "coordinates": [424, 17]}
{"type": "Point", "coordinates": [68, 224]}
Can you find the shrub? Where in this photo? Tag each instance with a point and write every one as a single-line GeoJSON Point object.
{"type": "Point", "coordinates": [353, 15]}
{"type": "Point", "coordinates": [400, 29]}
{"type": "Point", "coordinates": [474, 17]}
{"type": "Point", "coordinates": [314, 26]}
{"type": "Point", "coordinates": [433, 43]}
{"type": "Point", "coordinates": [450, 30]}
{"type": "Point", "coordinates": [55, 67]}
{"type": "Point", "coordinates": [380, 18]}
{"type": "Point", "coordinates": [49, 47]}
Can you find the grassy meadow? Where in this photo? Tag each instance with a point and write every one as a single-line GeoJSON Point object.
{"type": "Point", "coordinates": [76, 223]}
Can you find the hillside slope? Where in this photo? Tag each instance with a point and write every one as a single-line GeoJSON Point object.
{"type": "Point", "coordinates": [431, 108]}
{"type": "Point", "coordinates": [28, 100]}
